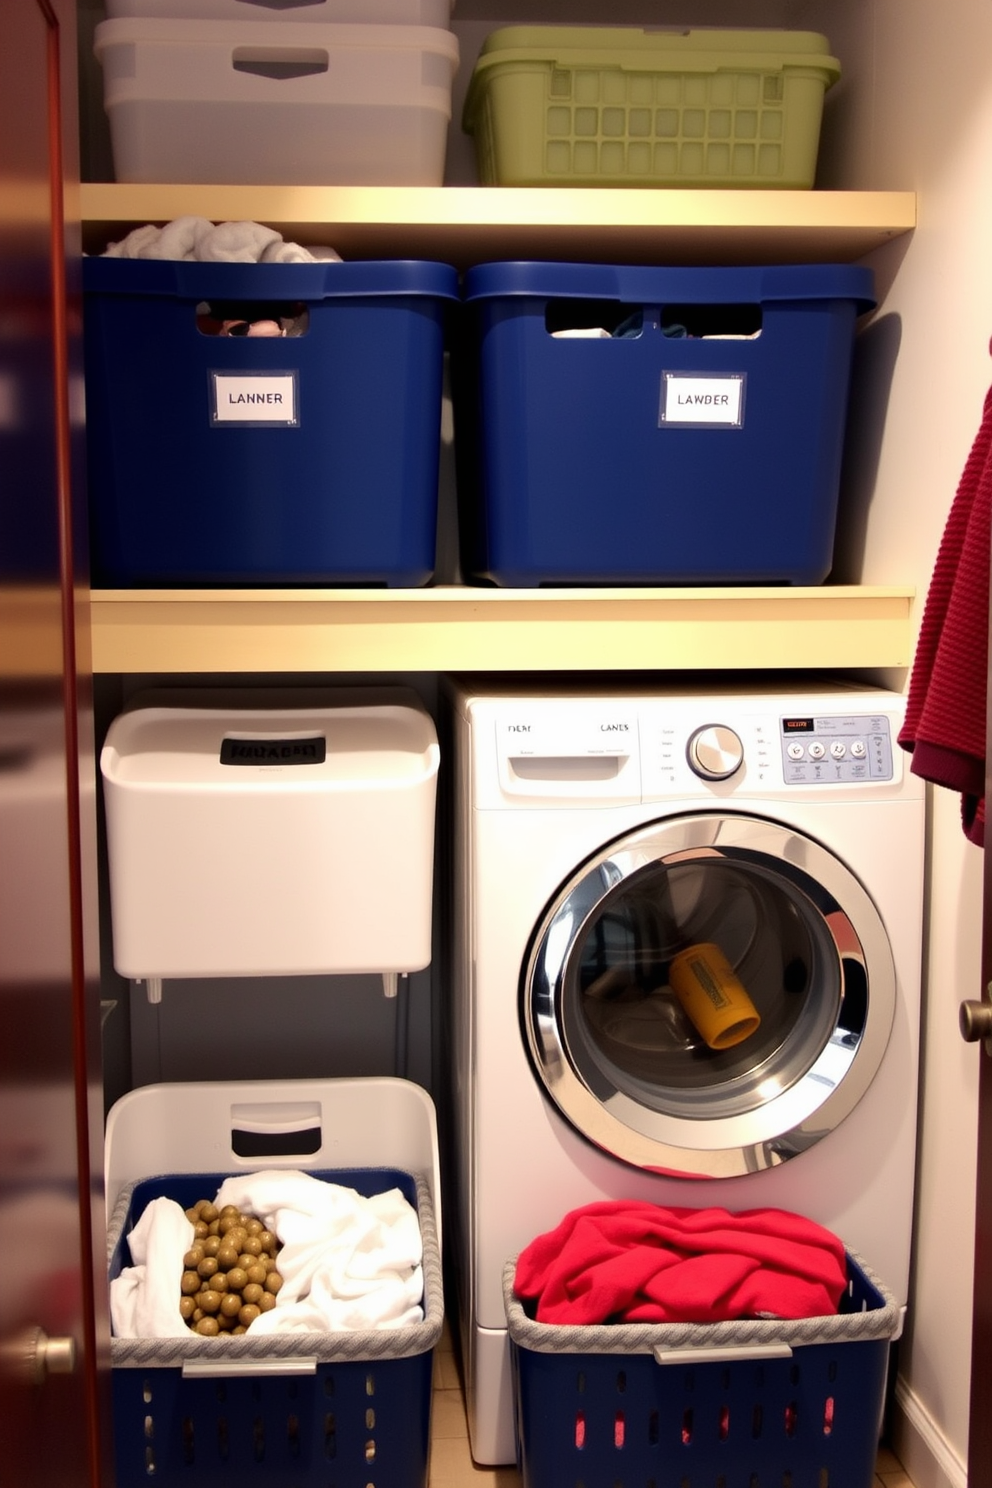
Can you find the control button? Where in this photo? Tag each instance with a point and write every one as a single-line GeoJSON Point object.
{"type": "Point", "coordinates": [795, 751]}
{"type": "Point", "coordinates": [859, 749]}
{"type": "Point", "coordinates": [715, 752]}
{"type": "Point", "coordinates": [838, 749]}
{"type": "Point", "coordinates": [816, 750]}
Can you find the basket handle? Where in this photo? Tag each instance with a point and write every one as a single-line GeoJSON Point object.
{"type": "Point", "coordinates": [276, 1129]}
{"type": "Point", "coordinates": [227, 1368]}
{"type": "Point", "coordinates": [280, 63]}
{"type": "Point", "coordinates": [726, 1355]}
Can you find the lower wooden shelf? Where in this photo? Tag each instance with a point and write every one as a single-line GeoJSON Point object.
{"type": "Point", "coordinates": [520, 630]}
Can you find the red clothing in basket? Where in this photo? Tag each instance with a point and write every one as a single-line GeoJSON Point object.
{"type": "Point", "coordinates": [632, 1261]}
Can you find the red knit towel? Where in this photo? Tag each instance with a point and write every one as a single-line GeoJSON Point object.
{"type": "Point", "coordinates": [944, 727]}
{"type": "Point", "coordinates": [632, 1261]}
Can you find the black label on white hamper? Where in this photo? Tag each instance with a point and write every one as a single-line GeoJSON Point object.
{"type": "Point", "coordinates": [311, 751]}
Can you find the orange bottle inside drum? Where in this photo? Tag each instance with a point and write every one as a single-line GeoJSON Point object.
{"type": "Point", "coordinates": [712, 996]}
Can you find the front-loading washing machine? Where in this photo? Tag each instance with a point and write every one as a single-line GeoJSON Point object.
{"type": "Point", "coordinates": [771, 838]}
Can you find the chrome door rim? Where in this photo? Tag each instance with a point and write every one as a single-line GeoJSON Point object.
{"type": "Point", "coordinates": [789, 1120]}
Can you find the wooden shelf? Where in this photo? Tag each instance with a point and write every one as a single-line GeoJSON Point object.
{"type": "Point", "coordinates": [472, 224]}
{"type": "Point", "coordinates": [477, 629]}
{"type": "Point", "coordinates": [447, 629]}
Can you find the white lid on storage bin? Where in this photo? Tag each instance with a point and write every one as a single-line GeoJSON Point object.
{"type": "Point", "coordinates": [367, 12]}
{"type": "Point", "coordinates": [273, 837]}
{"type": "Point", "coordinates": [246, 102]}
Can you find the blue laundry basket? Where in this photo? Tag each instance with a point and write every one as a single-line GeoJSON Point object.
{"type": "Point", "coordinates": [736, 1403]}
{"type": "Point", "coordinates": [286, 1410]}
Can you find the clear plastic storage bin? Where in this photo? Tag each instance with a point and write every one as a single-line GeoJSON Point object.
{"type": "Point", "coordinates": [302, 104]}
{"type": "Point", "coordinates": [365, 12]}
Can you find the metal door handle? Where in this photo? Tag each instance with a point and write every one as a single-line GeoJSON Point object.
{"type": "Point", "coordinates": [975, 1020]}
{"type": "Point", "coordinates": [32, 1356]}
{"type": "Point", "coordinates": [56, 1355]}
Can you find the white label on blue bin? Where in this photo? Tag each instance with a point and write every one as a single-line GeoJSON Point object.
{"type": "Point", "coordinates": [712, 400]}
{"type": "Point", "coordinates": [254, 398]}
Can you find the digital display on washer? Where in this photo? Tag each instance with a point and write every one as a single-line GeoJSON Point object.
{"type": "Point", "coordinates": [836, 749]}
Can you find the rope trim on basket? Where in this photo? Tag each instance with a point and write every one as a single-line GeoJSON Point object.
{"type": "Point", "coordinates": [645, 1338]}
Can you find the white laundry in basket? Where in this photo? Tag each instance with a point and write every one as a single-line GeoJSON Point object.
{"type": "Point", "coordinates": [348, 1262]}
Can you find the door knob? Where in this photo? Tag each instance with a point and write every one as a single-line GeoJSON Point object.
{"type": "Point", "coordinates": [55, 1355]}
{"type": "Point", "coordinates": [33, 1356]}
{"type": "Point", "coordinates": [975, 1020]}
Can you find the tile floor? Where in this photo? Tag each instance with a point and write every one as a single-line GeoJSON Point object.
{"type": "Point", "coordinates": [451, 1463]}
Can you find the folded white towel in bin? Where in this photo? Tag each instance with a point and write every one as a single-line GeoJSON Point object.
{"type": "Point", "coordinates": [144, 1299]}
{"type": "Point", "coordinates": [348, 1262]}
{"type": "Point", "coordinates": [197, 240]}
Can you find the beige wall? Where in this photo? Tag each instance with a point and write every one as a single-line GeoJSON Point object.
{"type": "Point", "coordinates": [925, 123]}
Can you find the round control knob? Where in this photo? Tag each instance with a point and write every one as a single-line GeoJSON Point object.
{"type": "Point", "coordinates": [715, 752]}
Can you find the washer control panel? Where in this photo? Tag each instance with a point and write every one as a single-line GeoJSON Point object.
{"type": "Point", "coordinates": [842, 747]}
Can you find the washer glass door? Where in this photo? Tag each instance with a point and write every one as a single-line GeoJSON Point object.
{"type": "Point", "coordinates": [709, 995]}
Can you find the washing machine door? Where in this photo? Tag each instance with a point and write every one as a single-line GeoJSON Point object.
{"type": "Point", "coordinates": [709, 995]}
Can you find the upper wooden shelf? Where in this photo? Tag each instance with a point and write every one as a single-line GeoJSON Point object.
{"type": "Point", "coordinates": [483, 629]}
{"type": "Point", "coordinates": [472, 224]}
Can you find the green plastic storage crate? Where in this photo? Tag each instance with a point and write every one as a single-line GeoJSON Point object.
{"type": "Point", "coordinates": [618, 106]}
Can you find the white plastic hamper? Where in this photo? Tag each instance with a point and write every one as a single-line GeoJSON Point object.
{"type": "Point", "coordinates": [261, 834]}
{"type": "Point", "coordinates": [197, 1127]}
{"type": "Point", "coordinates": [301, 104]}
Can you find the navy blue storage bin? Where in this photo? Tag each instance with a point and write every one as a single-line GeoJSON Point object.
{"type": "Point", "coordinates": [227, 460]}
{"type": "Point", "coordinates": [696, 439]}
{"type": "Point", "coordinates": [735, 1404]}
{"type": "Point", "coordinates": [303, 1409]}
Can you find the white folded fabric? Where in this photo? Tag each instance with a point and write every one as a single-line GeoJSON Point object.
{"type": "Point", "coordinates": [583, 333]}
{"type": "Point", "coordinates": [234, 242]}
{"type": "Point", "coordinates": [196, 239]}
{"type": "Point", "coordinates": [293, 253]}
{"type": "Point", "coordinates": [144, 1299]}
{"type": "Point", "coordinates": [348, 1262]}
